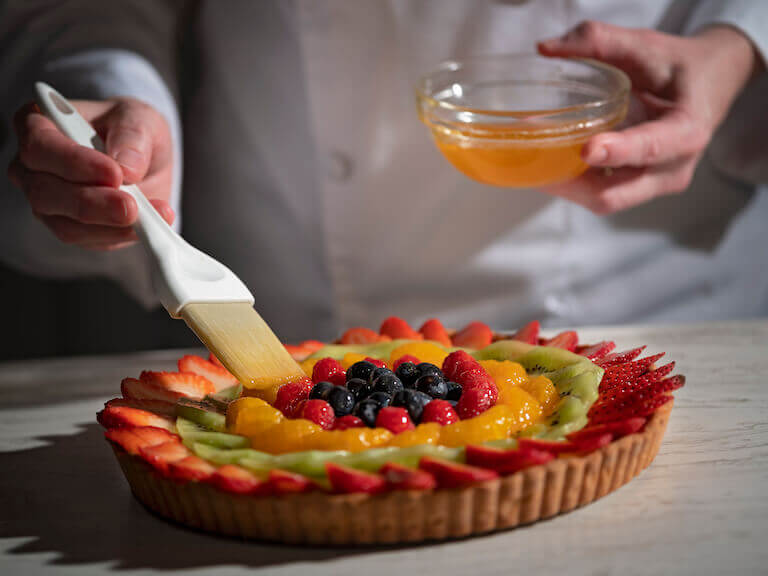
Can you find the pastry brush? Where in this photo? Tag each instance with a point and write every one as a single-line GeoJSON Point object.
{"type": "Point", "coordinates": [191, 285]}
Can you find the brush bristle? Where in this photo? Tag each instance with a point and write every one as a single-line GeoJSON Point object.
{"type": "Point", "coordinates": [244, 343]}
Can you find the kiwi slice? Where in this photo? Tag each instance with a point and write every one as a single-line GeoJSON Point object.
{"type": "Point", "coordinates": [221, 399]}
{"type": "Point", "coordinates": [503, 350]}
{"type": "Point", "coordinates": [191, 434]}
{"type": "Point", "coordinates": [309, 463]}
{"type": "Point", "coordinates": [201, 413]}
{"type": "Point", "coordinates": [220, 456]}
{"type": "Point", "coordinates": [377, 350]}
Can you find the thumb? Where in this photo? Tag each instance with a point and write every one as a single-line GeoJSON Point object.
{"type": "Point", "coordinates": [132, 130]}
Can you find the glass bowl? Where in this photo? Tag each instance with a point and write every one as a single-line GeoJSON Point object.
{"type": "Point", "coordinates": [520, 120]}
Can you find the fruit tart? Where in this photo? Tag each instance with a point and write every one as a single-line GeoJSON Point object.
{"type": "Point", "coordinates": [394, 436]}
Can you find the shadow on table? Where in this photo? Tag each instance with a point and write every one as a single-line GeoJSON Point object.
{"type": "Point", "coordinates": [72, 499]}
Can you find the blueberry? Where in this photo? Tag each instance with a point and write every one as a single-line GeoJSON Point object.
{"type": "Point", "coordinates": [376, 372]}
{"type": "Point", "coordinates": [321, 390]}
{"type": "Point", "coordinates": [413, 401]}
{"type": "Point", "coordinates": [381, 399]}
{"type": "Point", "coordinates": [433, 385]}
{"type": "Point", "coordinates": [425, 368]}
{"type": "Point", "coordinates": [360, 388]}
{"type": "Point", "coordinates": [367, 410]}
{"type": "Point", "coordinates": [388, 383]}
{"type": "Point", "coordinates": [360, 370]}
{"type": "Point", "coordinates": [454, 391]}
{"type": "Point", "coordinates": [341, 400]}
{"type": "Point", "coordinates": [408, 373]}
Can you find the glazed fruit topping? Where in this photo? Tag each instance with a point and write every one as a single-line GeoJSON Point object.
{"type": "Point", "coordinates": [318, 411]}
{"type": "Point", "coordinates": [441, 412]}
{"type": "Point", "coordinates": [328, 370]}
{"type": "Point", "coordinates": [454, 475]}
{"type": "Point", "coordinates": [394, 419]}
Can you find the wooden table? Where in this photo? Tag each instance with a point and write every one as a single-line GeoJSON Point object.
{"type": "Point", "coordinates": [701, 508]}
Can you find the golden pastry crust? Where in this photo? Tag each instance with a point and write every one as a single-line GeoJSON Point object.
{"type": "Point", "coordinates": [323, 519]}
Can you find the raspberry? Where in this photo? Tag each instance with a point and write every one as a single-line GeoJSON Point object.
{"type": "Point", "coordinates": [326, 370]}
{"type": "Point", "coordinates": [289, 395]}
{"type": "Point", "coordinates": [376, 362]}
{"type": "Point", "coordinates": [473, 402]}
{"type": "Point", "coordinates": [478, 378]}
{"type": "Point", "coordinates": [319, 412]}
{"type": "Point", "coordinates": [403, 359]}
{"type": "Point", "coordinates": [454, 359]}
{"type": "Point", "coordinates": [440, 411]}
{"type": "Point", "coordinates": [395, 420]}
{"type": "Point", "coordinates": [348, 421]}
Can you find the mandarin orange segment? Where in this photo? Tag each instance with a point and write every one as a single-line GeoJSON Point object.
{"type": "Point", "coordinates": [493, 424]}
{"type": "Point", "coordinates": [286, 436]}
{"type": "Point", "coordinates": [350, 358]}
{"type": "Point", "coordinates": [424, 351]}
{"type": "Point", "coordinates": [308, 365]}
{"type": "Point", "coordinates": [351, 439]}
{"type": "Point", "coordinates": [505, 371]}
{"type": "Point", "coordinates": [525, 409]}
{"type": "Point", "coordinates": [248, 418]}
{"type": "Point", "coordinates": [542, 389]}
{"type": "Point", "coordinates": [428, 433]}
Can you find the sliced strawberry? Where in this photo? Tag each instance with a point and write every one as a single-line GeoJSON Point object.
{"type": "Point", "coordinates": [133, 439]}
{"type": "Point", "coordinates": [297, 352]}
{"type": "Point", "coordinates": [434, 330]}
{"type": "Point", "coordinates": [473, 335]}
{"type": "Point", "coordinates": [619, 374]}
{"type": "Point", "coordinates": [601, 414]}
{"type": "Point", "coordinates": [506, 461]}
{"type": "Point", "coordinates": [213, 360]}
{"type": "Point", "coordinates": [359, 335]}
{"type": "Point", "coordinates": [581, 444]}
{"type": "Point", "coordinates": [235, 479]}
{"type": "Point", "coordinates": [595, 351]}
{"type": "Point", "coordinates": [403, 359]}
{"type": "Point", "coordinates": [161, 455]}
{"type": "Point", "coordinates": [156, 406]}
{"type": "Point", "coordinates": [184, 383]}
{"type": "Point", "coordinates": [567, 340]}
{"type": "Point", "coordinates": [401, 477]}
{"type": "Point", "coordinates": [397, 328]}
{"type": "Point", "coordinates": [348, 480]}
{"type": "Point", "coordinates": [617, 386]}
{"type": "Point", "coordinates": [216, 375]}
{"type": "Point", "coordinates": [134, 389]}
{"type": "Point", "coordinates": [190, 469]}
{"type": "Point", "coordinates": [528, 333]}
{"type": "Point", "coordinates": [312, 345]}
{"type": "Point", "coordinates": [617, 429]}
{"type": "Point", "coordinates": [620, 357]}
{"type": "Point", "coordinates": [454, 475]}
{"type": "Point", "coordinates": [124, 416]}
{"type": "Point", "coordinates": [283, 482]}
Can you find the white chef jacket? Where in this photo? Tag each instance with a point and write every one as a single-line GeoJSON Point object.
{"type": "Point", "coordinates": [306, 170]}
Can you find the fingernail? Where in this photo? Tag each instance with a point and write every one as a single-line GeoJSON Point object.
{"type": "Point", "coordinates": [130, 159]}
{"type": "Point", "coordinates": [120, 212]}
{"type": "Point", "coordinates": [597, 156]}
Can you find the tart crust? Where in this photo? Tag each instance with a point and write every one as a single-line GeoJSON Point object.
{"type": "Point", "coordinates": [324, 519]}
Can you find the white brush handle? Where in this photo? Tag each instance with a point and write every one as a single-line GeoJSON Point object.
{"type": "Point", "coordinates": [182, 274]}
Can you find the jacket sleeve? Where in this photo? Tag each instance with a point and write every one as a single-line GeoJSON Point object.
{"type": "Point", "coordinates": [739, 148]}
{"type": "Point", "coordinates": [87, 50]}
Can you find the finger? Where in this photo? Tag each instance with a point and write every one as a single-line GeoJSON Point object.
{"type": "Point", "coordinates": [135, 133]}
{"type": "Point", "coordinates": [109, 247]}
{"type": "Point", "coordinates": [43, 148]}
{"type": "Point", "coordinates": [165, 210]}
{"type": "Point", "coordinates": [50, 195]}
{"type": "Point", "coordinates": [632, 50]}
{"type": "Point", "coordinates": [672, 137]}
{"type": "Point", "coordinates": [71, 232]}
{"type": "Point", "coordinates": [625, 187]}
